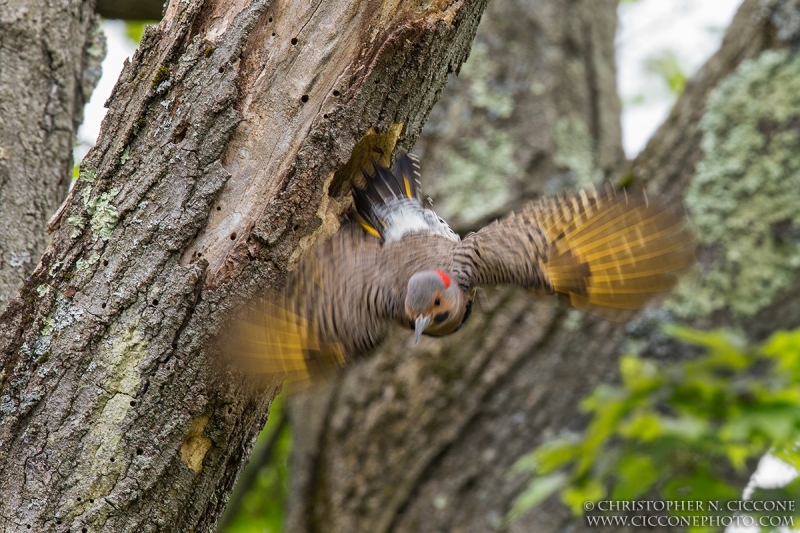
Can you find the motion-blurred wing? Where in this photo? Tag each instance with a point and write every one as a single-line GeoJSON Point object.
{"type": "Point", "coordinates": [328, 316]}
{"type": "Point", "coordinates": [270, 339]}
{"type": "Point", "coordinates": [605, 252]}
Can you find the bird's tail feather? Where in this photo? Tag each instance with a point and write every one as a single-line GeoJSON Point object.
{"type": "Point", "coordinates": [614, 252]}
{"type": "Point", "coordinates": [383, 186]}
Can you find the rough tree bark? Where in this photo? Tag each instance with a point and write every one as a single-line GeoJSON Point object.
{"type": "Point", "coordinates": [422, 438]}
{"type": "Point", "coordinates": [50, 57]}
{"type": "Point", "coordinates": [533, 112]}
{"type": "Point", "coordinates": [209, 178]}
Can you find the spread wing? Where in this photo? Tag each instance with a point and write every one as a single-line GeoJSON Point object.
{"type": "Point", "coordinates": [605, 252]}
{"type": "Point", "coordinates": [338, 305]}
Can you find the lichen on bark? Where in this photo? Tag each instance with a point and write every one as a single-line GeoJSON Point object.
{"type": "Point", "coordinates": [744, 195]}
{"type": "Point", "coordinates": [476, 175]}
{"type": "Point", "coordinates": [575, 151]}
{"type": "Point", "coordinates": [200, 192]}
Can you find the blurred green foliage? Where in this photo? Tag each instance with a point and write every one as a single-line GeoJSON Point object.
{"type": "Point", "coordinates": [257, 507]}
{"type": "Point", "coordinates": [134, 29]}
{"type": "Point", "coordinates": [666, 66]}
{"type": "Point", "coordinates": [677, 430]}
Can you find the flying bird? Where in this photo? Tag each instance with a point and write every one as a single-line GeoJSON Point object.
{"type": "Point", "coordinates": [396, 261]}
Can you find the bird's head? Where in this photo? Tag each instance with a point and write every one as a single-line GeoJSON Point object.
{"type": "Point", "coordinates": [433, 303]}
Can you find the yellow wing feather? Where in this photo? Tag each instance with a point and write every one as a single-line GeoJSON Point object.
{"type": "Point", "coordinates": [614, 252]}
{"type": "Point", "coordinates": [269, 339]}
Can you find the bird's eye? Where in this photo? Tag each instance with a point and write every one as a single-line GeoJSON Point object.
{"type": "Point", "coordinates": [437, 301]}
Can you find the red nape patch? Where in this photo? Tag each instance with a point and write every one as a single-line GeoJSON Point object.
{"type": "Point", "coordinates": [445, 278]}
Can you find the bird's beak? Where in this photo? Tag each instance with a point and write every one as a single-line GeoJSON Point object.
{"type": "Point", "coordinates": [420, 325]}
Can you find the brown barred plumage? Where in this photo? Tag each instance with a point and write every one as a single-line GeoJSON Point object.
{"type": "Point", "coordinates": [605, 252]}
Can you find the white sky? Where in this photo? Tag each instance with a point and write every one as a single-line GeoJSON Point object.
{"type": "Point", "coordinates": [120, 47]}
{"type": "Point", "coordinates": [692, 30]}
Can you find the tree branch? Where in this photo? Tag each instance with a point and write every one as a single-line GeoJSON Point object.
{"type": "Point", "coordinates": [130, 9]}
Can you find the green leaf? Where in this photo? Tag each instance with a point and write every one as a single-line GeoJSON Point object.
{"type": "Point", "coordinates": [601, 397]}
{"type": "Point", "coordinates": [714, 340]}
{"type": "Point", "coordinates": [575, 496]}
{"type": "Point", "coordinates": [738, 454]}
{"type": "Point", "coordinates": [688, 428]}
{"type": "Point", "coordinates": [678, 424]}
{"type": "Point", "coordinates": [134, 29]}
{"type": "Point", "coordinates": [789, 455]}
{"type": "Point", "coordinates": [667, 66]}
{"type": "Point", "coordinates": [539, 490]}
{"type": "Point", "coordinates": [784, 348]}
{"type": "Point", "coordinates": [644, 426]}
{"type": "Point", "coordinates": [638, 374]}
{"type": "Point", "coordinates": [553, 454]}
{"type": "Point", "coordinates": [699, 487]}
{"type": "Point", "coordinates": [635, 475]}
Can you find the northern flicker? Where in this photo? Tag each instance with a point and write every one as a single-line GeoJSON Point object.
{"type": "Point", "coordinates": [397, 261]}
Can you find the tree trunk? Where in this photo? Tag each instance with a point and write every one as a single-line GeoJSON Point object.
{"type": "Point", "coordinates": [208, 180]}
{"type": "Point", "coordinates": [50, 57]}
{"type": "Point", "coordinates": [533, 112]}
{"type": "Point", "coordinates": [422, 438]}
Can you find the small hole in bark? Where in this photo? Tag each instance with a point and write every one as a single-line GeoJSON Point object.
{"type": "Point", "coordinates": [336, 93]}
{"type": "Point", "coordinates": [233, 236]}
{"type": "Point", "coordinates": [29, 526]}
{"type": "Point", "coordinates": [304, 98]}
{"type": "Point", "coordinates": [325, 115]}
{"type": "Point", "coordinates": [105, 263]}
{"type": "Point", "coordinates": [133, 403]}
{"type": "Point", "coordinates": [84, 530]}
{"type": "Point", "coordinates": [180, 134]}
{"type": "Point", "coordinates": [230, 410]}
{"type": "Point", "coordinates": [58, 522]}
{"type": "Point", "coordinates": [155, 302]}
{"type": "Point", "coordinates": [91, 501]}
{"type": "Point", "coordinates": [296, 227]}
{"type": "Point", "coordinates": [139, 451]}
{"type": "Point", "coordinates": [219, 208]}
{"type": "Point", "coordinates": [221, 70]}
{"type": "Point", "coordinates": [191, 310]}
{"type": "Point", "coordinates": [294, 41]}
{"type": "Point", "coordinates": [199, 254]}
{"type": "Point", "coordinates": [112, 459]}
{"type": "Point", "coordinates": [103, 305]}
{"type": "Point", "coordinates": [270, 19]}
{"type": "Point", "coordinates": [174, 345]}
{"type": "Point", "coordinates": [79, 499]}
{"type": "Point", "coordinates": [273, 34]}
